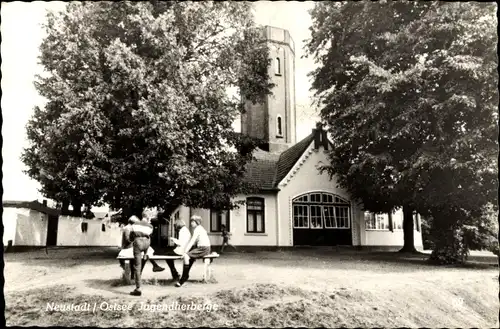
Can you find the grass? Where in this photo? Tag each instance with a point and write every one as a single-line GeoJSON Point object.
{"type": "Point", "coordinates": [312, 288]}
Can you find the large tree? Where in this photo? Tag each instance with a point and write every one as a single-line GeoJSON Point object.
{"type": "Point", "coordinates": [139, 110]}
{"type": "Point", "coordinates": [408, 91]}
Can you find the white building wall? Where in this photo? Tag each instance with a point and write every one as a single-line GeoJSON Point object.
{"type": "Point", "coordinates": [238, 224]}
{"type": "Point", "coordinates": [69, 232]}
{"type": "Point", "coordinates": [373, 237]}
{"type": "Point", "coordinates": [303, 178]}
{"type": "Point", "coordinates": [31, 228]}
{"type": "Point", "coordinates": [388, 238]}
{"type": "Point", "coordinates": [9, 221]}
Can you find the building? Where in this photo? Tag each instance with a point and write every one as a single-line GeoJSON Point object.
{"type": "Point", "coordinates": [296, 204]}
{"type": "Point", "coordinates": [34, 224]}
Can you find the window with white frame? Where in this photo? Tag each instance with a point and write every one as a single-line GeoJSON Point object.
{"type": "Point", "coordinates": [217, 219]}
{"type": "Point", "coordinates": [376, 221]}
{"type": "Point", "coordinates": [329, 215]}
{"type": "Point", "coordinates": [416, 224]}
{"type": "Point", "coordinates": [319, 210]}
{"type": "Point", "coordinates": [255, 215]}
{"type": "Point", "coordinates": [300, 216]}
{"type": "Point", "coordinates": [316, 217]}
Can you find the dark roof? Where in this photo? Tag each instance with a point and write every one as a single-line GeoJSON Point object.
{"type": "Point", "coordinates": [32, 205]}
{"type": "Point", "coordinates": [261, 173]}
{"type": "Point", "coordinates": [290, 157]}
{"type": "Point", "coordinates": [268, 169]}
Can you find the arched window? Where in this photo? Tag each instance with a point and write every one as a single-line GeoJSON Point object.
{"type": "Point", "coordinates": [277, 66]}
{"type": "Point", "coordinates": [320, 210]}
{"type": "Point", "coordinates": [255, 215]}
{"type": "Point", "coordinates": [279, 129]}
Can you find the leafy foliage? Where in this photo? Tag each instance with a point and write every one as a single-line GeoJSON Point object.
{"type": "Point", "coordinates": [138, 112]}
{"type": "Point", "coordinates": [408, 90]}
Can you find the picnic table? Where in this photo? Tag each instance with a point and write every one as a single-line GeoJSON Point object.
{"type": "Point", "coordinates": [207, 261]}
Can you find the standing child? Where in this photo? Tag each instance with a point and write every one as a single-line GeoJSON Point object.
{"type": "Point", "coordinates": [225, 239]}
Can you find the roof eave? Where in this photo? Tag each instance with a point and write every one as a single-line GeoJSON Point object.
{"type": "Point", "coordinates": [271, 189]}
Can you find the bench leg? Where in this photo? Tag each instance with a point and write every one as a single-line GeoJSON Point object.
{"type": "Point", "coordinates": [207, 270]}
{"type": "Point", "coordinates": [128, 272]}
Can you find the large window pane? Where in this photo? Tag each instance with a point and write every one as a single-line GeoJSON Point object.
{"type": "Point", "coordinates": [214, 223]}
{"type": "Point", "coordinates": [342, 216]}
{"type": "Point", "coordinates": [260, 223]}
{"type": "Point", "coordinates": [225, 219]}
{"type": "Point", "coordinates": [316, 221]}
{"type": "Point", "coordinates": [369, 220]}
{"type": "Point", "coordinates": [300, 216]}
{"type": "Point", "coordinates": [251, 222]}
{"type": "Point", "coordinates": [329, 213]}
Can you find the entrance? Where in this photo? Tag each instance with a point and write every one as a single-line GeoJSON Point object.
{"type": "Point", "coordinates": [52, 226]}
{"type": "Point", "coordinates": [321, 219]}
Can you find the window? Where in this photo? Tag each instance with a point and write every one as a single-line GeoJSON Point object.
{"type": "Point", "coordinates": [217, 219]}
{"type": "Point", "coordinates": [315, 197]}
{"type": "Point", "coordinates": [329, 213]}
{"type": "Point", "coordinates": [316, 217]}
{"type": "Point", "coordinates": [300, 216]}
{"type": "Point", "coordinates": [342, 216]}
{"type": "Point", "coordinates": [376, 221]}
{"type": "Point", "coordinates": [255, 215]}
{"type": "Point", "coordinates": [397, 220]}
{"type": "Point", "coordinates": [84, 227]}
{"type": "Point", "coordinates": [277, 68]}
{"type": "Point", "coordinates": [320, 210]}
{"type": "Point", "coordinates": [103, 227]}
{"type": "Point", "coordinates": [279, 130]}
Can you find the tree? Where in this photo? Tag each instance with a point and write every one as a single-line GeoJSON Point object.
{"type": "Point", "coordinates": [408, 91]}
{"type": "Point", "coordinates": [138, 111]}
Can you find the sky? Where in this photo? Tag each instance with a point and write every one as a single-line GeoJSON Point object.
{"type": "Point", "coordinates": [22, 34]}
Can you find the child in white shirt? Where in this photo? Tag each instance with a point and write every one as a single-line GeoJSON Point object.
{"type": "Point", "coordinates": [198, 247]}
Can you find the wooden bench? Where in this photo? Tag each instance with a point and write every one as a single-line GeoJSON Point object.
{"type": "Point", "coordinates": [207, 261]}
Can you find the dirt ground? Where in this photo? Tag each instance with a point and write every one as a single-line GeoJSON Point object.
{"type": "Point", "coordinates": [309, 287]}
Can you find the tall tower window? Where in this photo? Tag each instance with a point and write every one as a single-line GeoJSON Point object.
{"type": "Point", "coordinates": [277, 66]}
{"type": "Point", "coordinates": [279, 129]}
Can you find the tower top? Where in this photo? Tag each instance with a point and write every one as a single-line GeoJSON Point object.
{"type": "Point", "coordinates": [279, 35]}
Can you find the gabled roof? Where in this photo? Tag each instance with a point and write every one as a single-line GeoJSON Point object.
{"type": "Point", "coordinates": [267, 170]}
{"type": "Point", "coordinates": [290, 157]}
{"type": "Point", "coordinates": [32, 205]}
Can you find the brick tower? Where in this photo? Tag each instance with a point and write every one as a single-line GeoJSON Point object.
{"type": "Point", "coordinates": [273, 120]}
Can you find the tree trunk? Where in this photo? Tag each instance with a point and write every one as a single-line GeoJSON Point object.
{"type": "Point", "coordinates": [409, 243]}
{"type": "Point", "coordinates": [65, 208]}
{"type": "Point", "coordinates": [448, 241]}
{"type": "Point", "coordinates": [77, 208]}
{"type": "Point", "coordinates": [134, 209]}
